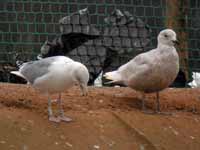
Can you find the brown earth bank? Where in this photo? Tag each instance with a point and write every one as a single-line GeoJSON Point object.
{"type": "Point", "coordinates": [107, 119]}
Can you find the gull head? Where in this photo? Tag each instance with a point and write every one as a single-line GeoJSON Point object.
{"type": "Point", "coordinates": [167, 37]}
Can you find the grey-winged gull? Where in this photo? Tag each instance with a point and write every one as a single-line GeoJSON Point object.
{"type": "Point", "coordinates": [151, 71]}
{"type": "Point", "coordinates": [55, 75]}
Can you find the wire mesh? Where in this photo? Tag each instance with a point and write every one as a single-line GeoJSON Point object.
{"type": "Point", "coordinates": [26, 24]}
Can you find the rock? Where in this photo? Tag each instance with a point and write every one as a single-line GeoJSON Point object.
{"type": "Point", "coordinates": [2, 142]}
{"type": "Point", "coordinates": [96, 147]}
{"type": "Point", "coordinates": [68, 144]}
{"type": "Point", "coordinates": [100, 101]}
{"type": "Point", "coordinates": [123, 34]}
{"type": "Point", "coordinates": [142, 147]}
{"type": "Point", "coordinates": [62, 137]}
{"type": "Point", "coordinates": [192, 137]}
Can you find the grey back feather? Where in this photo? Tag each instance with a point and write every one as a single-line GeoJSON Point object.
{"type": "Point", "coordinates": [34, 69]}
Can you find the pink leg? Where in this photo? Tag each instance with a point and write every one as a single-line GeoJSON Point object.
{"type": "Point", "coordinates": [54, 119]}
{"type": "Point", "coordinates": [61, 111]}
{"type": "Point", "coordinates": [50, 113]}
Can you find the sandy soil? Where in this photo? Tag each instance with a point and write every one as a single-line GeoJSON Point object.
{"type": "Point", "coordinates": [106, 119]}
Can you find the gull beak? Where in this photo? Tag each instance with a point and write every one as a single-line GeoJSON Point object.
{"type": "Point", "coordinates": [176, 42]}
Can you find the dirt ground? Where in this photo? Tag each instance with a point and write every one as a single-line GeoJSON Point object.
{"type": "Point", "coordinates": [107, 119]}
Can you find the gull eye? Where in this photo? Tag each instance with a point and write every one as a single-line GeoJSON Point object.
{"type": "Point", "coordinates": [165, 35]}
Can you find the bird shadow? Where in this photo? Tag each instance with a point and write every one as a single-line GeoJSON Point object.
{"type": "Point", "coordinates": [130, 103]}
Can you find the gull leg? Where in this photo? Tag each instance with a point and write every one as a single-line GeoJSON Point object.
{"type": "Point", "coordinates": [157, 102]}
{"type": "Point", "coordinates": [61, 111]}
{"type": "Point", "coordinates": [144, 110]}
{"type": "Point", "coordinates": [158, 111]}
{"type": "Point", "coordinates": [54, 101]}
{"type": "Point", "coordinates": [143, 102]}
{"type": "Point", "coordinates": [84, 89]}
{"type": "Point", "coordinates": [50, 112]}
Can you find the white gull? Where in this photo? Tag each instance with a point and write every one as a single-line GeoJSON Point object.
{"type": "Point", "coordinates": [55, 75]}
{"type": "Point", "coordinates": [151, 71]}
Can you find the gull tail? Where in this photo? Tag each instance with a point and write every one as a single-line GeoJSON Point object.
{"type": "Point", "coordinates": [114, 76]}
{"type": "Point", "coordinates": [17, 73]}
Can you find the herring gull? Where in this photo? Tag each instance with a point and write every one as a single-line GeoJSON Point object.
{"type": "Point", "coordinates": [151, 71]}
{"type": "Point", "coordinates": [55, 75]}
